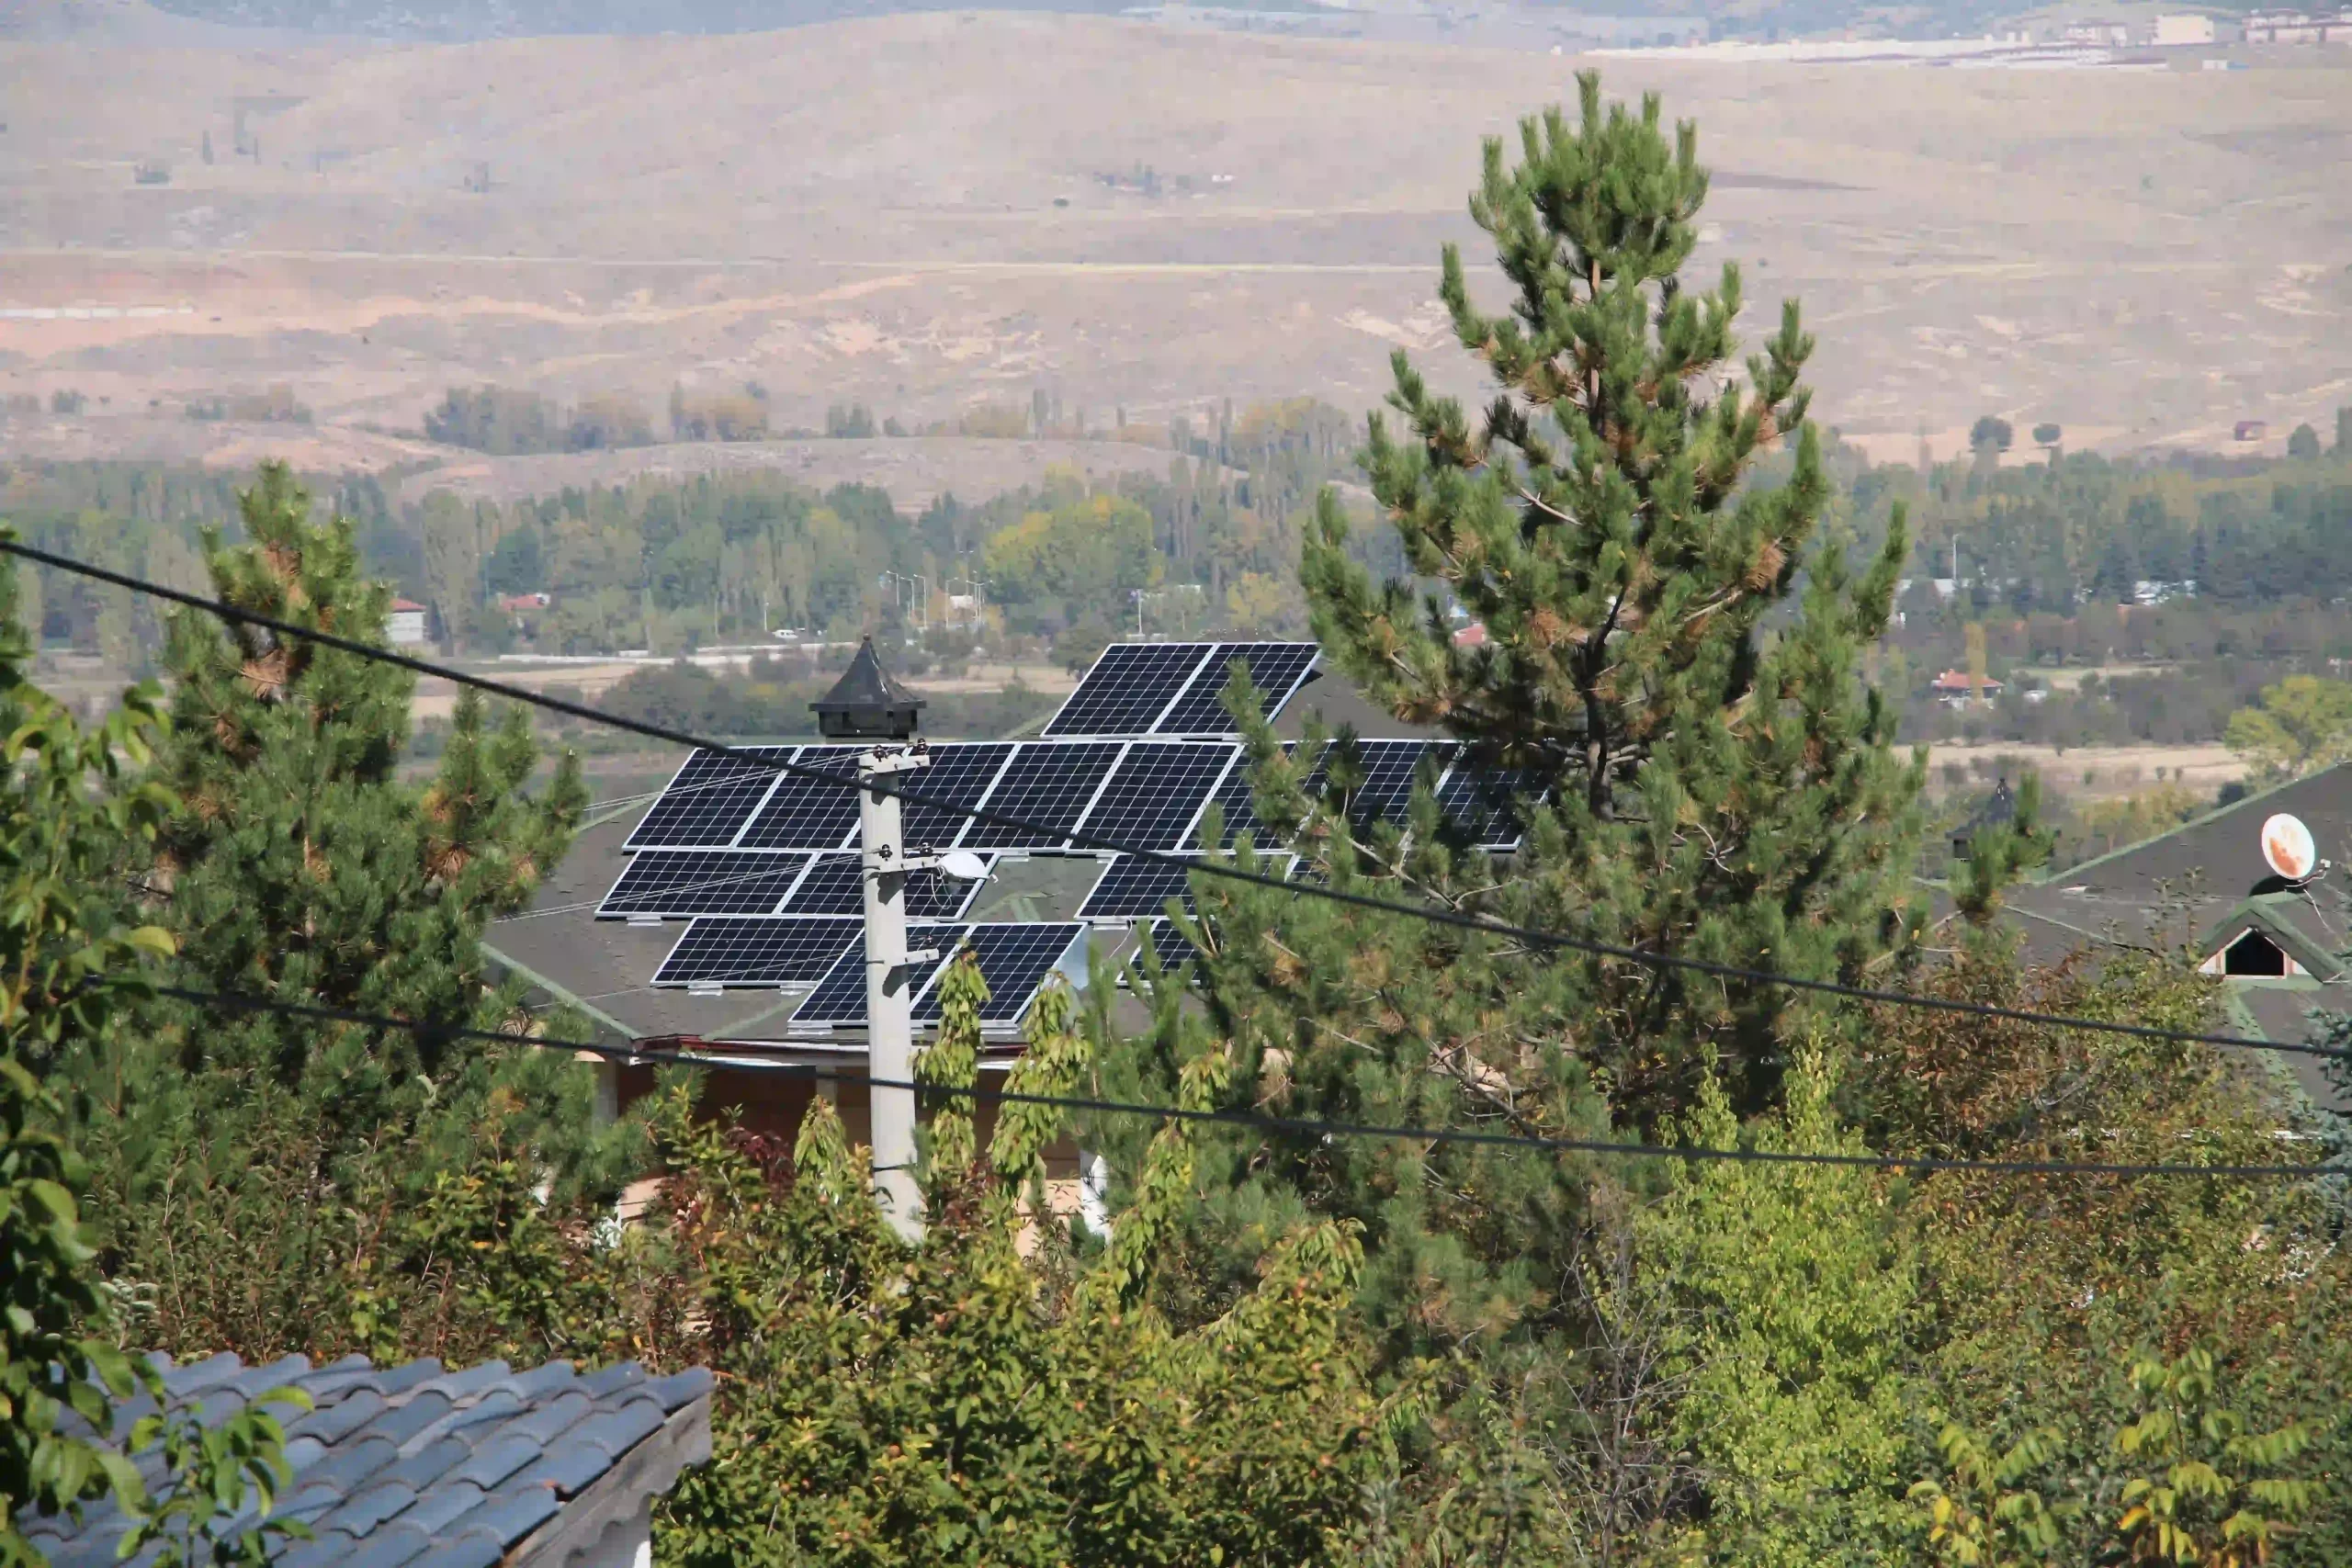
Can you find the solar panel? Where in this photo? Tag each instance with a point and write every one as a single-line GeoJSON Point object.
{"type": "Point", "coordinates": [1388, 768]}
{"type": "Point", "coordinates": [1131, 888]}
{"type": "Point", "coordinates": [1275, 667]}
{"type": "Point", "coordinates": [1480, 803]}
{"type": "Point", "coordinates": [840, 996]}
{"type": "Point", "coordinates": [1048, 784]}
{"type": "Point", "coordinates": [1157, 792]}
{"type": "Point", "coordinates": [1168, 942]}
{"type": "Point", "coordinates": [1236, 799]}
{"type": "Point", "coordinates": [701, 882]}
{"type": "Point", "coordinates": [1014, 961]}
{"type": "Point", "coordinates": [835, 885]}
{"type": "Point", "coordinates": [806, 813]}
{"type": "Point", "coordinates": [1128, 687]}
{"type": "Point", "coordinates": [708, 801]}
{"type": "Point", "coordinates": [959, 773]}
{"type": "Point", "coordinates": [759, 951]}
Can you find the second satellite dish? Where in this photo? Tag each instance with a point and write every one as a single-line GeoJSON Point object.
{"type": "Point", "coordinates": [2287, 845]}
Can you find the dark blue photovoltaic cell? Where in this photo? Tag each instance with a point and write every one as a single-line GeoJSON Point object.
{"type": "Point", "coordinates": [806, 813]}
{"type": "Point", "coordinates": [1388, 768]}
{"type": "Point", "coordinates": [1275, 667]}
{"type": "Point", "coordinates": [1048, 783]}
{"type": "Point", "coordinates": [1235, 798]}
{"type": "Point", "coordinates": [1157, 790]}
{"type": "Point", "coordinates": [836, 885]}
{"type": "Point", "coordinates": [758, 951]}
{"type": "Point", "coordinates": [708, 801]}
{"type": "Point", "coordinates": [1481, 803]}
{"type": "Point", "coordinates": [701, 882]}
{"type": "Point", "coordinates": [1014, 961]}
{"type": "Point", "coordinates": [1127, 688]}
{"type": "Point", "coordinates": [960, 774]}
{"type": "Point", "coordinates": [840, 997]}
{"type": "Point", "coordinates": [1131, 888]}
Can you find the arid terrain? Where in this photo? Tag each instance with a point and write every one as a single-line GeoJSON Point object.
{"type": "Point", "coordinates": [921, 212]}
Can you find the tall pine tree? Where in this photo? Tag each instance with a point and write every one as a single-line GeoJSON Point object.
{"type": "Point", "coordinates": [1671, 656]}
{"type": "Point", "coordinates": [299, 864]}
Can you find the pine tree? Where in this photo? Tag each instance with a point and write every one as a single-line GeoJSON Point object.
{"type": "Point", "coordinates": [298, 865]}
{"type": "Point", "coordinates": [1670, 653]}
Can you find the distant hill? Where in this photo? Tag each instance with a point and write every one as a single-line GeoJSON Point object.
{"type": "Point", "coordinates": [469, 19]}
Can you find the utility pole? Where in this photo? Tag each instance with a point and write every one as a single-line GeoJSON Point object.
{"type": "Point", "coordinates": [889, 976]}
{"type": "Point", "coordinates": [867, 704]}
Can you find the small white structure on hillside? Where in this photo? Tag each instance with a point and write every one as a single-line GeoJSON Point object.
{"type": "Point", "coordinates": [405, 626]}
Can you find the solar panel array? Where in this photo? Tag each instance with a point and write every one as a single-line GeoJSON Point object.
{"type": "Point", "coordinates": [763, 863]}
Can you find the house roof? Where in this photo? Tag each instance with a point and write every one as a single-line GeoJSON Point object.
{"type": "Point", "coordinates": [406, 605]}
{"type": "Point", "coordinates": [418, 1465]}
{"type": "Point", "coordinates": [2199, 887]}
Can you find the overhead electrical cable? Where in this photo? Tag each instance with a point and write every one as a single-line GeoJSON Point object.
{"type": "Point", "coordinates": [1247, 1119]}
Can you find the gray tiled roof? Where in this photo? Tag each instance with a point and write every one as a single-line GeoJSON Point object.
{"type": "Point", "coordinates": [415, 1464]}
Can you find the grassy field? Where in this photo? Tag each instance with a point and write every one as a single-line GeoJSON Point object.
{"type": "Point", "coordinates": [921, 212]}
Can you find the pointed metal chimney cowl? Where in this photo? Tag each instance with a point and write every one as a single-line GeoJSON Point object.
{"type": "Point", "coordinates": [865, 704]}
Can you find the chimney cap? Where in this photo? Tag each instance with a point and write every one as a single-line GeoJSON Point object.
{"type": "Point", "coordinates": [865, 704]}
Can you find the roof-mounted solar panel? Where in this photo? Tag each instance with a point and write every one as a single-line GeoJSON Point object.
{"type": "Point", "coordinates": [709, 799]}
{"type": "Point", "coordinates": [759, 951]}
{"type": "Point", "coordinates": [839, 1000]}
{"type": "Point", "coordinates": [1154, 797]}
{"type": "Point", "coordinates": [1048, 783]}
{"type": "Point", "coordinates": [1129, 688]}
{"type": "Point", "coordinates": [836, 885]}
{"type": "Point", "coordinates": [1132, 889]}
{"type": "Point", "coordinates": [1276, 669]}
{"type": "Point", "coordinates": [1481, 803]}
{"type": "Point", "coordinates": [958, 775]}
{"type": "Point", "coordinates": [1015, 958]}
{"type": "Point", "coordinates": [1387, 769]}
{"type": "Point", "coordinates": [806, 813]}
{"type": "Point", "coordinates": [672, 883]}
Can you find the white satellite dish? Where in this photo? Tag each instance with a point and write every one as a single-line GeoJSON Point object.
{"type": "Point", "coordinates": [2287, 845]}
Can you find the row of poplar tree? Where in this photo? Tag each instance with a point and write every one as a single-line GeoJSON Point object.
{"type": "Point", "coordinates": [1291, 1347]}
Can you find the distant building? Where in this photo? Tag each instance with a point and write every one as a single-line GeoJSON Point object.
{"type": "Point", "coordinates": [2298, 27]}
{"type": "Point", "coordinates": [2251, 429]}
{"type": "Point", "coordinates": [517, 604]}
{"type": "Point", "coordinates": [2184, 30]}
{"type": "Point", "coordinates": [2151, 592]}
{"type": "Point", "coordinates": [1957, 688]}
{"type": "Point", "coordinates": [406, 626]}
{"type": "Point", "coordinates": [2097, 31]}
{"type": "Point", "coordinates": [1472, 636]}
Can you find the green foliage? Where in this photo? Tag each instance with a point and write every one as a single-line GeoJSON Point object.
{"type": "Point", "coordinates": [68, 961]}
{"type": "Point", "coordinates": [213, 1468]}
{"type": "Point", "coordinates": [1991, 433]}
{"type": "Point", "coordinates": [2304, 722]}
{"type": "Point", "coordinates": [2001, 852]}
{"type": "Point", "coordinates": [296, 863]}
{"type": "Point", "coordinates": [1982, 1515]}
{"type": "Point", "coordinates": [2304, 444]}
{"type": "Point", "coordinates": [1093, 551]}
{"type": "Point", "coordinates": [2183, 1504]}
{"type": "Point", "coordinates": [2193, 1483]}
{"type": "Point", "coordinates": [1798, 1285]}
{"type": "Point", "coordinates": [952, 1404]}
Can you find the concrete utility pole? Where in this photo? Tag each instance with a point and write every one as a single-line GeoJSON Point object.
{"type": "Point", "coordinates": [889, 976]}
{"type": "Point", "coordinates": [867, 704]}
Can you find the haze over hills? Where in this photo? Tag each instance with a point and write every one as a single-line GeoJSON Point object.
{"type": "Point", "coordinates": [922, 212]}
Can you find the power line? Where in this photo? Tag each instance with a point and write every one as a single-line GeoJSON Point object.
{"type": "Point", "coordinates": [1476, 923]}
{"type": "Point", "coordinates": [1247, 1120]}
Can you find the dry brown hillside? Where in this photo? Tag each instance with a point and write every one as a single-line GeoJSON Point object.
{"type": "Point", "coordinates": [914, 212]}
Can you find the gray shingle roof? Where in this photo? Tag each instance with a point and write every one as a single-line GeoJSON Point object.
{"type": "Point", "coordinates": [416, 1465]}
